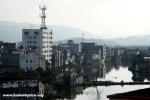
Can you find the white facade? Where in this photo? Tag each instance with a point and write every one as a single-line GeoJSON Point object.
{"type": "Point", "coordinates": [38, 38]}
{"type": "Point", "coordinates": [104, 51]}
{"type": "Point", "coordinates": [24, 83]}
{"type": "Point", "coordinates": [20, 83]}
{"type": "Point", "coordinates": [37, 44]}
{"type": "Point", "coordinates": [31, 59]}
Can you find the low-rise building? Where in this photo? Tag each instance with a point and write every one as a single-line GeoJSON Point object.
{"type": "Point", "coordinates": [31, 59]}
{"type": "Point", "coordinates": [25, 88]}
{"type": "Point", "coordinates": [9, 55]}
{"type": "Point", "coordinates": [71, 78]}
{"type": "Point", "coordinates": [65, 53]}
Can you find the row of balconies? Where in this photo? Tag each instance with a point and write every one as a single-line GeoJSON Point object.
{"type": "Point", "coordinates": [47, 37]}
{"type": "Point", "coordinates": [48, 42]}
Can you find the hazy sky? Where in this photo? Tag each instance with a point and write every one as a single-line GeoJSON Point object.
{"type": "Point", "coordinates": [105, 18]}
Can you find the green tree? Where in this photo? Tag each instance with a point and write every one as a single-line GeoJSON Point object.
{"type": "Point", "coordinates": [14, 73]}
{"type": "Point", "coordinates": [34, 74]}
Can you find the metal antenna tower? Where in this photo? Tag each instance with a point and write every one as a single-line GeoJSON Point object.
{"type": "Point", "coordinates": [43, 17]}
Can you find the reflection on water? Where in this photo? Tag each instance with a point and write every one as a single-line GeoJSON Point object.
{"type": "Point", "coordinates": [101, 92]}
{"type": "Point", "coordinates": [117, 75]}
{"type": "Point", "coordinates": [112, 73]}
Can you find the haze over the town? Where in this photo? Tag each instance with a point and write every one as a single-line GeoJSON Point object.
{"type": "Point", "coordinates": [104, 18]}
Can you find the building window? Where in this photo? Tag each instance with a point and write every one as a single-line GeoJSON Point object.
{"type": "Point", "coordinates": [50, 42]}
{"type": "Point", "coordinates": [31, 61]}
{"type": "Point", "coordinates": [36, 33]}
{"type": "Point", "coordinates": [26, 33]}
{"type": "Point", "coordinates": [51, 33]}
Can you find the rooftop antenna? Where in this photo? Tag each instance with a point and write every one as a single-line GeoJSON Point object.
{"type": "Point", "coordinates": [43, 16]}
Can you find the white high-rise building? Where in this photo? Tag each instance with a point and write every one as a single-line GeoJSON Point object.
{"type": "Point", "coordinates": [38, 39]}
{"type": "Point", "coordinates": [37, 44]}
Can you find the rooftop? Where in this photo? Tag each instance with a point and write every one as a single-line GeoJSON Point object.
{"type": "Point", "coordinates": [142, 94]}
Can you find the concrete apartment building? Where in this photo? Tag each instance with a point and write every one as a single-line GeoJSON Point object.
{"type": "Point", "coordinates": [9, 55]}
{"type": "Point", "coordinates": [38, 39]}
{"type": "Point", "coordinates": [37, 46]}
{"type": "Point", "coordinates": [91, 52]}
{"type": "Point", "coordinates": [20, 85]}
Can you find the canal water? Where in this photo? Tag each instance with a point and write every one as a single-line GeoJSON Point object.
{"type": "Point", "coordinates": [117, 75]}
{"type": "Point", "coordinates": [101, 92]}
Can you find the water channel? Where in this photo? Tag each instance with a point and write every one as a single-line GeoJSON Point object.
{"type": "Point", "coordinates": [118, 74]}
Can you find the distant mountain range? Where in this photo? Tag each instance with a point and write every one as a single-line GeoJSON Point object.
{"type": "Point", "coordinates": [12, 32]}
{"type": "Point", "coordinates": [129, 41]}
